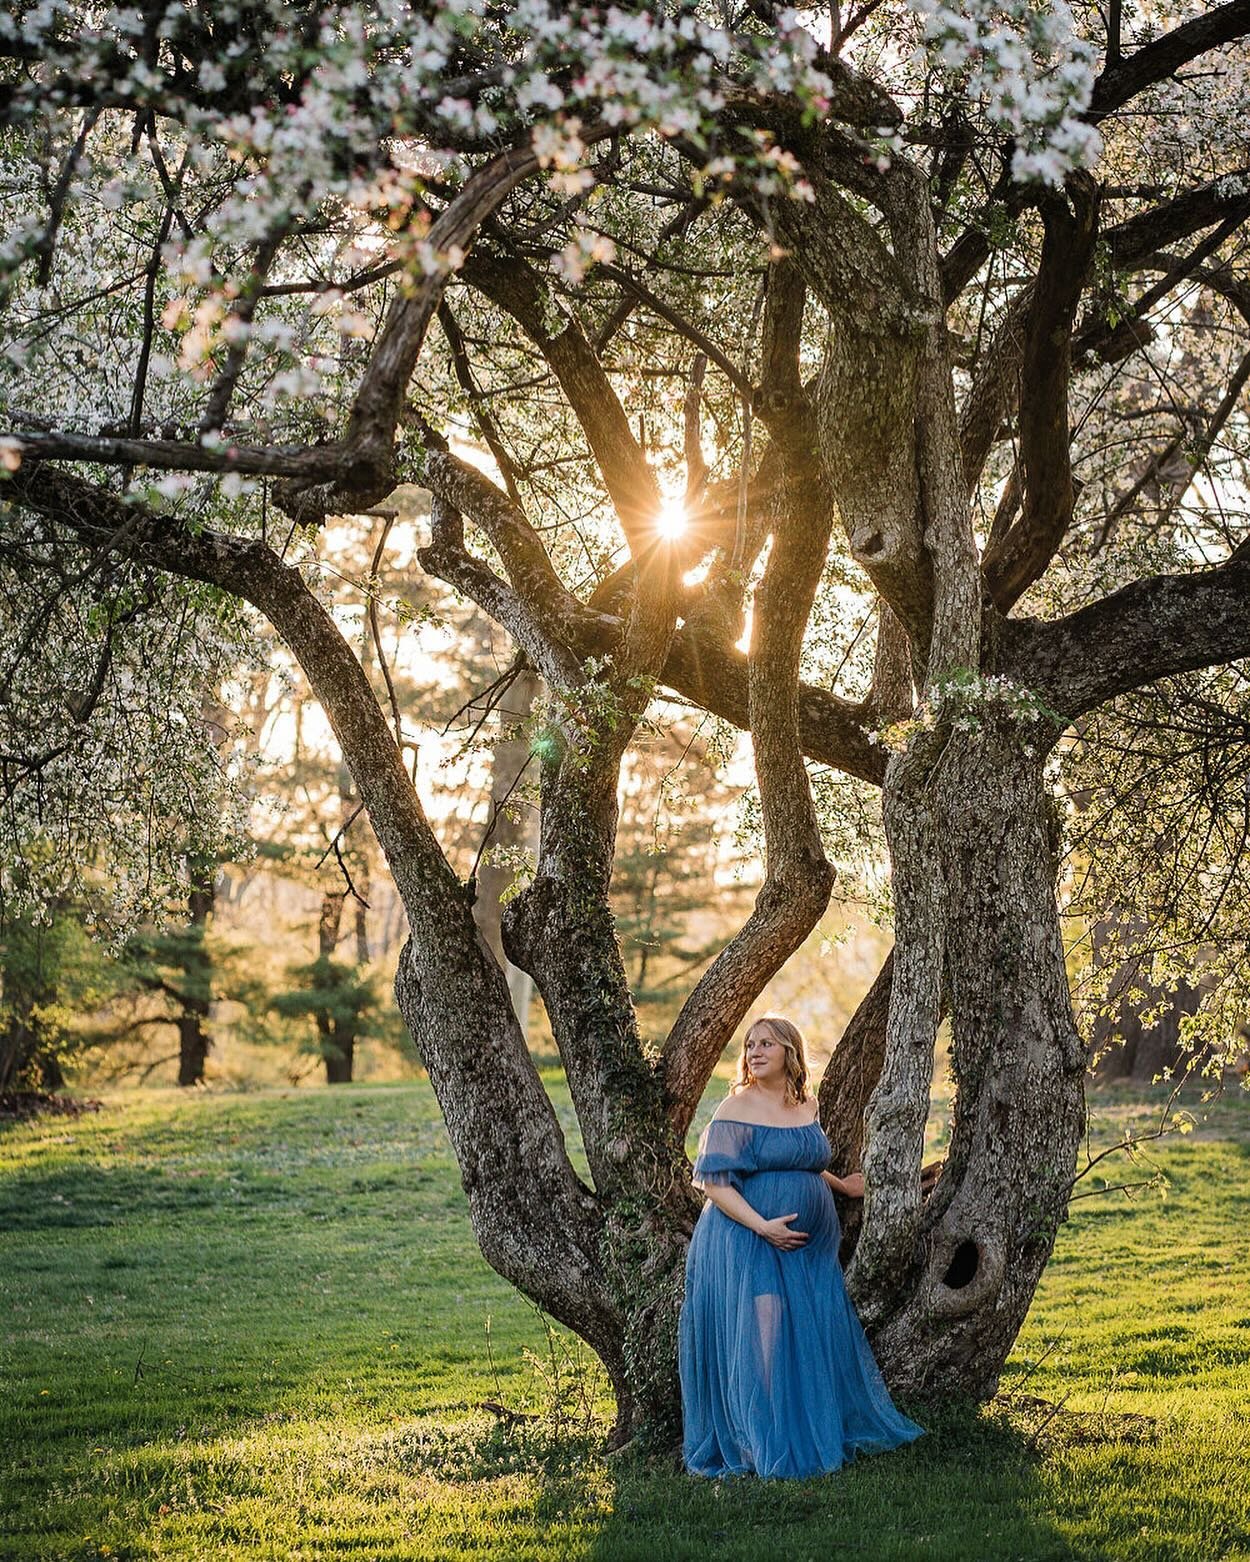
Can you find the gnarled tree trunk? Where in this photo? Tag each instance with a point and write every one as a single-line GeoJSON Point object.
{"type": "Point", "coordinates": [945, 1287]}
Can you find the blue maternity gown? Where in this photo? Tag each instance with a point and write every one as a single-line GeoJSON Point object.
{"type": "Point", "coordinates": [777, 1376]}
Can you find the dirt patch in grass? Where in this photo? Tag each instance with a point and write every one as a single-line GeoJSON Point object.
{"type": "Point", "coordinates": [21, 1105]}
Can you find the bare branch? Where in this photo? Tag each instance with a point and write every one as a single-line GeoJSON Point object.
{"type": "Point", "coordinates": [447, 557]}
{"type": "Point", "coordinates": [798, 877]}
{"type": "Point", "coordinates": [528, 567]}
{"type": "Point", "coordinates": [481, 410]}
{"type": "Point", "coordinates": [512, 284]}
{"type": "Point", "coordinates": [1011, 565]}
{"type": "Point", "coordinates": [1145, 631]}
{"type": "Point", "coordinates": [696, 462]}
{"type": "Point", "coordinates": [1162, 57]}
{"type": "Point", "coordinates": [170, 455]}
{"type": "Point", "coordinates": [680, 324]}
{"type": "Point", "coordinates": [223, 387]}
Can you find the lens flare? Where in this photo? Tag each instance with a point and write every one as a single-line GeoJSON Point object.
{"type": "Point", "coordinates": [671, 521]}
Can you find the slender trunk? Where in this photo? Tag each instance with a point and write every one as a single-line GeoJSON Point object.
{"type": "Point", "coordinates": [562, 931]}
{"type": "Point", "coordinates": [847, 1087]}
{"type": "Point", "coordinates": [330, 1028]}
{"type": "Point", "coordinates": [535, 1221]}
{"type": "Point", "coordinates": [51, 1074]}
{"type": "Point", "coordinates": [1123, 1046]}
{"type": "Point", "coordinates": [15, 1050]}
{"type": "Point", "coordinates": [194, 1041]}
{"type": "Point", "coordinates": [340, 1056]}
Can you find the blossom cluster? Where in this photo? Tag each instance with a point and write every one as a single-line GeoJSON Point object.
{"type": "Point", "coordinates": [965, 700]}
{"type": "Point", "coordinates": [122, 763]}
{"type": "Point", "coordinates": [1030, 70]}
{"type": "Point", "coordinates": [334, 115]}
{"type": "Point", "coordinates": [336, 142]}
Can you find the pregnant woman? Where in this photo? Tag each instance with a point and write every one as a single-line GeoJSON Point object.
{"type": "Point", "coordinates": [777, 1376]}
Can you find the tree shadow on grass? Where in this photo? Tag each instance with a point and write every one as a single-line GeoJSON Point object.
{"type": "Point", "coordinates": [969, 1488]}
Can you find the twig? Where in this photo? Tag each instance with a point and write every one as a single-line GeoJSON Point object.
{"type": "Point", "coordinates": [375, 628]}
{"type": "Point", "coordinates": [342, 831]}
{"type": "Point", "coordinates": [496, 809]}
{"type": "Point", "coordinates": [1119, 1187]}
{"type": "Point", "coordinates": [1032, 1442]}
{"type": "Point", "coordinates": [1037, 1363]}
{"type": "Point", "coordinates": [351, 888]}
{"type": "Point", "coordinates": [490, 1357]}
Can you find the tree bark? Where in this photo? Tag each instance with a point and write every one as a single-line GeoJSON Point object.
{"type": "Point", "coordinates": [194, 1041]}
{"type": "Point", "coordinates": [562, 931]}
{"type": "Point", "coordinates": [510, 757]}
{"type": "Point", "coordinates": [945, 1287]}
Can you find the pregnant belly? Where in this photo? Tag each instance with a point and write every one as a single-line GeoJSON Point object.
{"type": "Point", "coordinates": [775, 1193]}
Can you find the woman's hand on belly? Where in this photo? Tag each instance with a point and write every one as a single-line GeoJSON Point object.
{"type": "Point", "coordinates": [778, 1232]}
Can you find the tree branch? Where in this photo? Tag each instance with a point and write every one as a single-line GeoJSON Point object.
{"type": "Point", "coordinates": [447, 557]}
{"type": "Point", "coordinates": [1129, 242]}
{"type": "Point", "coordinates": [535, 1220]}
{"type": "Point", "coordinates": [1146, 631]}
{"type": "Point", "coordinates": [1124, 78]}
{"type": "Point", "coordinates": [714, 676]}
{"type": "Point", "coordinates": [517, 289]}
{"type": "Point", "coordinates": [798, 877]}
{"type": "Point", "coordinates": [323, 463]}
{"type": "Point", "coordinates": [680, 324]}
{"type": "Point", "coordinates": [518, 545]}
{"type": "Point", "coordinates": [994, 393]}
{"type": "Point", "coordinates": [540, 613]}
{"type": "Point", "coordinates": [1012, 564]}
{"type": "Point", "coordinates": [375, 412]}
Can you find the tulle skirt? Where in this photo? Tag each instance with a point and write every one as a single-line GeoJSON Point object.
{"type": "Point", "coordinates": [777, 1375]}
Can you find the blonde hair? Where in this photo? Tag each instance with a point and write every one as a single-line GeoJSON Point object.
{"type": "Point", "coordinates": [791, 1038]}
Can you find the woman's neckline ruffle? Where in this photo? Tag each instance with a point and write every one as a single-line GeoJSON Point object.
{"type": "Point", "coordinates": [782, 1127]}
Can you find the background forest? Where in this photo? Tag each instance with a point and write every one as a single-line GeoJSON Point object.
{"type": "Point", "coordinates": [275, 963]}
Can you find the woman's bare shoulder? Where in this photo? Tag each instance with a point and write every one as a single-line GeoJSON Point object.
{"type": "Point", "coordinates": [737, 1107]}
{"type": "Point", "coordinates": [733, 1109]}
{"type": "Point", "coordinates": [727, 1112]}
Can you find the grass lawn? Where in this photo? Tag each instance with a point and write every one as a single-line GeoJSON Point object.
{"type": "Point", "coordinates": [256, 1325]}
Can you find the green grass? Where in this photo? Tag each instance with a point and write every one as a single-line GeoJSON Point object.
{"type": "Point", "coordinates": [257, 1326]}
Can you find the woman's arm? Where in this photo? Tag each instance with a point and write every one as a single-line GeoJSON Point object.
{"type": "Point", "coordinates": [730, 1202]}
{"type": "Point", "coordinates": [852, 1185]}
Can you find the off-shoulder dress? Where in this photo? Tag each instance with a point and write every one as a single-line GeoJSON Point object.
{"type": "Point", "coordinates": [777, 1375]}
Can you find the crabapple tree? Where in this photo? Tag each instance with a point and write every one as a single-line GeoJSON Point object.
{"type": "Point", "coordinates": [931, 319]}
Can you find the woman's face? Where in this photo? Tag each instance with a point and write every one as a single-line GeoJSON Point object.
{"type": "Point", "coordinates": [766, 1057]}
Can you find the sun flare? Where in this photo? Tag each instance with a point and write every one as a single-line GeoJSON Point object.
{"type": "Point", "coordinates": [671, 521]}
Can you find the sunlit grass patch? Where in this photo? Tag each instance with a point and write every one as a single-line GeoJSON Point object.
{"type": "Point", "coordinates": [258, 1326]}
